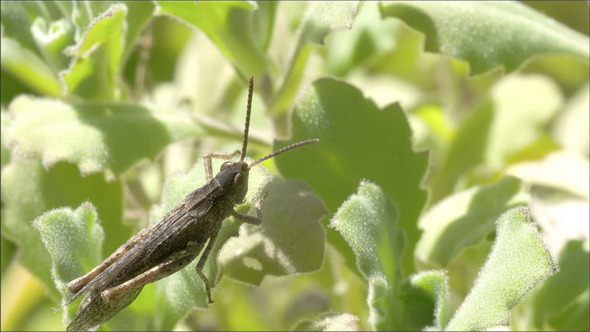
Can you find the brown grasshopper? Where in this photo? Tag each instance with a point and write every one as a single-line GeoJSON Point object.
{"type": "Point", "coordinates": [170, 244]}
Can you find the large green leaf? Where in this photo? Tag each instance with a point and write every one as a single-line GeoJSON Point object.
{"type": "Point", "coordinates": [488, 34]}
{"type": "Point", "coordinates": [95, 136]}
{"type": "Point", "coordinates": [357, 141]}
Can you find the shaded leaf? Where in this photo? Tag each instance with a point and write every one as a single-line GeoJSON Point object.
{"type": "Point", "coordinates": [290, 240]}
{"type": "Point", "coordinates": [498, 129]}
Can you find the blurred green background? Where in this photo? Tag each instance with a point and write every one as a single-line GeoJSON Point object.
{"type": "Point", "coordinates": [457, 111]}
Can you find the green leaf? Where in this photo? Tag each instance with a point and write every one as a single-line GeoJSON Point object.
{"type": "Point", "coordinates": [464, 219]}
{"type": "Point", "coordinates": [96, 65]}
{"type": "Point", "coordinates": [28, 191]}
{"type": "Point", "coordinates": [228, 24]}
{"type": "Point", "coordinates": [572, 126]}
{"type": "Point", "coordinates": [95, 136]}
{"type": "Point", "coordinates": [368, 223]}
{"type": "Point", "coordinates": [488, 34]}
{"type": "Point", "coordinates": [290, 240]}
{"type": "Point", "coordinates": [321, 19]}
{"type": "Point", "coordinates": [15, 16]}
{"type": "Point", "coordinates": [518, 261]}
{"type": "Point", "coordinates": [357, 141]}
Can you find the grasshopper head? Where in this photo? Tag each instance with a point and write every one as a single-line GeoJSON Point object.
{"type": "Point", "coordinates": [233, 178]}
{"type": "Point", "coordinates": [233, 175]}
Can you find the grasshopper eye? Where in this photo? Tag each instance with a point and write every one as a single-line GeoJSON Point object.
{"type": "Point", "coordinates": [238, 177]}
{"type": "Point", "coordinates": [225, 165]}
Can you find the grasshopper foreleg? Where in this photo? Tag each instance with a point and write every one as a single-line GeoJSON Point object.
{"type": "Point", "coordinates": [221, 155]}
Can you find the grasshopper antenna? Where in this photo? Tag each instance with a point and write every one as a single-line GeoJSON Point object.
{"type": "Point", "coordinates": [248, 111]}
{"type": "Point", "coordinates": [279, 151]}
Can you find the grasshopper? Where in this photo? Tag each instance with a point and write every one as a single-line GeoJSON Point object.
{"type": "Point", "coordinates": [170, 244]}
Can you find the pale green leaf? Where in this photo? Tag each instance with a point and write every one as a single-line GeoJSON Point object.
{"type": "Point", "coordinates": [95, 136]}
{"type": "Point", "coordinates": [28, 67]}
{"type": "Point", "coordinates": [518, 262]}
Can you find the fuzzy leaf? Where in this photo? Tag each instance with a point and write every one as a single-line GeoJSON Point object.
{"type": "Point", "coordinates": [95, 136]}
{"type": "Point", "coordinates": [368, 223]}
{"type": "Point", "coordinates": [73, 239]}
{"type": "Point", "coordinates": [518, 261]}
{"type": "Point", "coordinates": [488, 34]}
{"type": "Point", "coordinates": [561, 302]}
